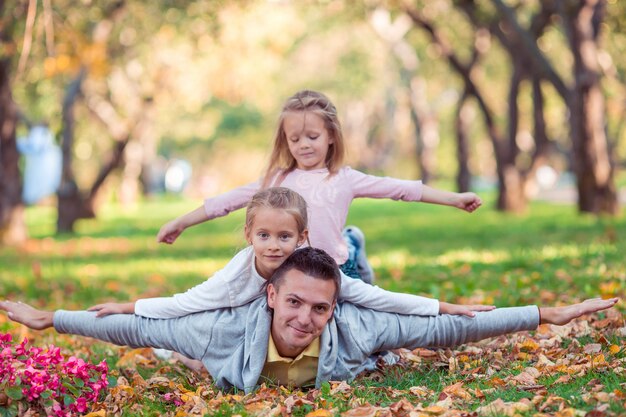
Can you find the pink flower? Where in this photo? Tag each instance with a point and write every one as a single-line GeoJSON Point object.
{"type": "Point", "coordinates": [47, 371]}
{"type": "Point", "coordinates": [80, 405]}
{"type": "Point", "coordinates": [173, 398]}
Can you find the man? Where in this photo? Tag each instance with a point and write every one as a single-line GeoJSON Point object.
{"type": "Point", "coordinates": [298, 334]}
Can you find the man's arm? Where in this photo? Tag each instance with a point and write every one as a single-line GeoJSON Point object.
{"type": "Point", "coordinates": [189, 335]}
{"type": "Point", "coordinates": [374, 331]}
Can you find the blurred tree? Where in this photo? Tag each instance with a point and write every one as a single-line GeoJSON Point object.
{"type": "Point", "coordinates": [12, 226]}
{"type": "Point", "coordinates": [513, 171]}
{"type": "Point", "coordinates": [72, 203]}
{"type": "Point", "coordinates": [584, 98]}
{"type": "Point", "coordinates": [517, 168]}
{"type": "Point", "coordinates": [204, 81]}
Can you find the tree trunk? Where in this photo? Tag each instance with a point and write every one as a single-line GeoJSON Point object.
{"type": "Point", "coordinates": [512, 196]}
{"type": "Point", "coordinates": [426, 128]}
{"type": "Point", "coordinates": [592, 158]}
{"type": "Point", "coordinates": [542, 144]}
{"type": "Point", "coordinates": [12, 226]}
{"type": "Point", "coordinates": [70, 202]}
{"type": "Point", "coordinates": [461, 123]}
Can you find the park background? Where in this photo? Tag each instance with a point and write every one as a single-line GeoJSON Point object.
{"type": "Point", "coordinates": [520, 101]}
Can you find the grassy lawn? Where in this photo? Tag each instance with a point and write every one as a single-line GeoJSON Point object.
{"type": "Point", "coordinates": [551, 255]}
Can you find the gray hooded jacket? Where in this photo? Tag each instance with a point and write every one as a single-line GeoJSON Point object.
{"type": "Point", "coordinates": [232, 342]}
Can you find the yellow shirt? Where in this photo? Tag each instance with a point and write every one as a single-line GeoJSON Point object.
{"type": "Point", "coordinates": [286, 371]}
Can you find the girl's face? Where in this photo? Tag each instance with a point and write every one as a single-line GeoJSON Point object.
{"type": "Point", "coordinates": [307, 138]}
{"type": "Point", "coordinates": [274, 236]}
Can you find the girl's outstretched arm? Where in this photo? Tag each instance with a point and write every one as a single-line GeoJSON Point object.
{"type": "Point", "coordinates": [365, 295]}
{"type": "Point", "coordinates": [212, 208]}
{"type": "Point", "coordinates": [464, 201]}
{"type": "Point", "coordinates": [170, 231]}
{"type": "Point", "coordinates": [463, 310]}
{"type": "Point", "coordinates": [105, 309]}
{"type": "Point", "coordinates": [234, 285]}
{"type": "Point", "coordinates": [371, 296]}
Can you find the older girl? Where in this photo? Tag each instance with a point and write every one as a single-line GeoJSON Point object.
{"type": "Point", "coordinates": [308, 158]}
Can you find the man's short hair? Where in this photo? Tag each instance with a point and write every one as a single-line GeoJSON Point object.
{"type": "Point", "coordinates": [310, 261]}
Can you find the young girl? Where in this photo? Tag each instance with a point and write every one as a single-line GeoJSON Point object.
{"type": "Point", "coordinates": [276, 225]}
{"type": "Point", "coordinates": [307, 158]}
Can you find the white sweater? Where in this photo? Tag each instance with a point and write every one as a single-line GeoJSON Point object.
{"type": "Point", "coordinates": [239, 283]}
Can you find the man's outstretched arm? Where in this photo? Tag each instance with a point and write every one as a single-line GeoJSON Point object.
{"type": "Point", "coordinates": [396, 331]}
{"type": "Point", "coordinates": [184, 335]}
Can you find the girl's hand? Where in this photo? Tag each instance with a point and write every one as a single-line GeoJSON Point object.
{"type": "Point", "coordinates": [468, 202]}
{"type": "Point", "coordinates": [113, 308]}
{"type": "Point", "coordinates": [169, 232]}
{"type": "Point", "coordinates": [463, 310]}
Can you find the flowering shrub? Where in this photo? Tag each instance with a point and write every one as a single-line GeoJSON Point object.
{"type": "Point", "coordinates": [44, 381]}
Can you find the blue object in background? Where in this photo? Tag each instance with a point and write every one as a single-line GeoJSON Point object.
{"type": "Point", "coordinates": [177, 175]}
{"type": "Point", "coordinates": [42, 164]}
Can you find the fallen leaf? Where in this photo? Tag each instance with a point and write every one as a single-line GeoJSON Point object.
{"type": "Point", "coordinates": [592, 348]}
{"type": "Point", "coordinates": [527, 377]}
{"type": "Point", "coordinates": [319, 413]}
{"type": "Point", "coordinates": [434, 410]}
{"type": "Point", "coordinates": [420, 391]}
{"type": "Point", "coordinates": [500, 407]}
{"type": "Point", "coordinates": [458, 391]}
{"type": "Point", "coordinates": [342, 387]}
{"type": "Point", "coordinates": [99, 413]}
{"type": "Point", "coordinates": [363, 411]}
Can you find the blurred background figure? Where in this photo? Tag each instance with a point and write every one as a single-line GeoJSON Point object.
{"type": "Point", "coordinates": [42, 164]}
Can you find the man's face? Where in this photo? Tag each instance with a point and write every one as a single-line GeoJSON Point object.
{"type": "Point", "coordinates": [302, 307]}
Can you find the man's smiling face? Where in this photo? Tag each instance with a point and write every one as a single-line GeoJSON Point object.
{"type": "Point", "coordinates": [302, 307]}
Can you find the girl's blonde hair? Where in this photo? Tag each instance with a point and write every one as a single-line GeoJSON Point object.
{"type": "Point", "coordinates": [317, 103]}
{"type": "Point", "coordinates": [279, 198]}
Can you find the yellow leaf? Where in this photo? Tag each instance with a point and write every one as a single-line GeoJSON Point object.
{"type": "Point", "coordinates": [529, 345]}
{"type": "Point", "coordinates": [614, 349]}
{"type": "Point", "coordinates": [434, 409]}
{"type": "Point", "coordinates": [131, 358]}
{"type": "Point", "coordinates": [458, 391]}
{"type": "Point", "coordinates": [99, 413]}
{"type": "Point", "coordinates": [567, 412]}
{"type": "Point", "coordinates": [599, 359]}
{"type": "Point", "coordinates": [319, 413]}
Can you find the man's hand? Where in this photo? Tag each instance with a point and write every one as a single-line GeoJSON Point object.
{"type": "Point", "coordinates": [113, 308]}
{"type": "Point", "coordinates": [463, 310]}
{"type": "Point", "coordinates": [468, 202]}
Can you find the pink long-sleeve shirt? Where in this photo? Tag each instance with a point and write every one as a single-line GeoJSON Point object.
{"type": "Point", "coordinates": [328, 199]}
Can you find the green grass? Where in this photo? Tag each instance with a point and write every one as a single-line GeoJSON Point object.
{"type": "Point", "coordinates": [548, 256]}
